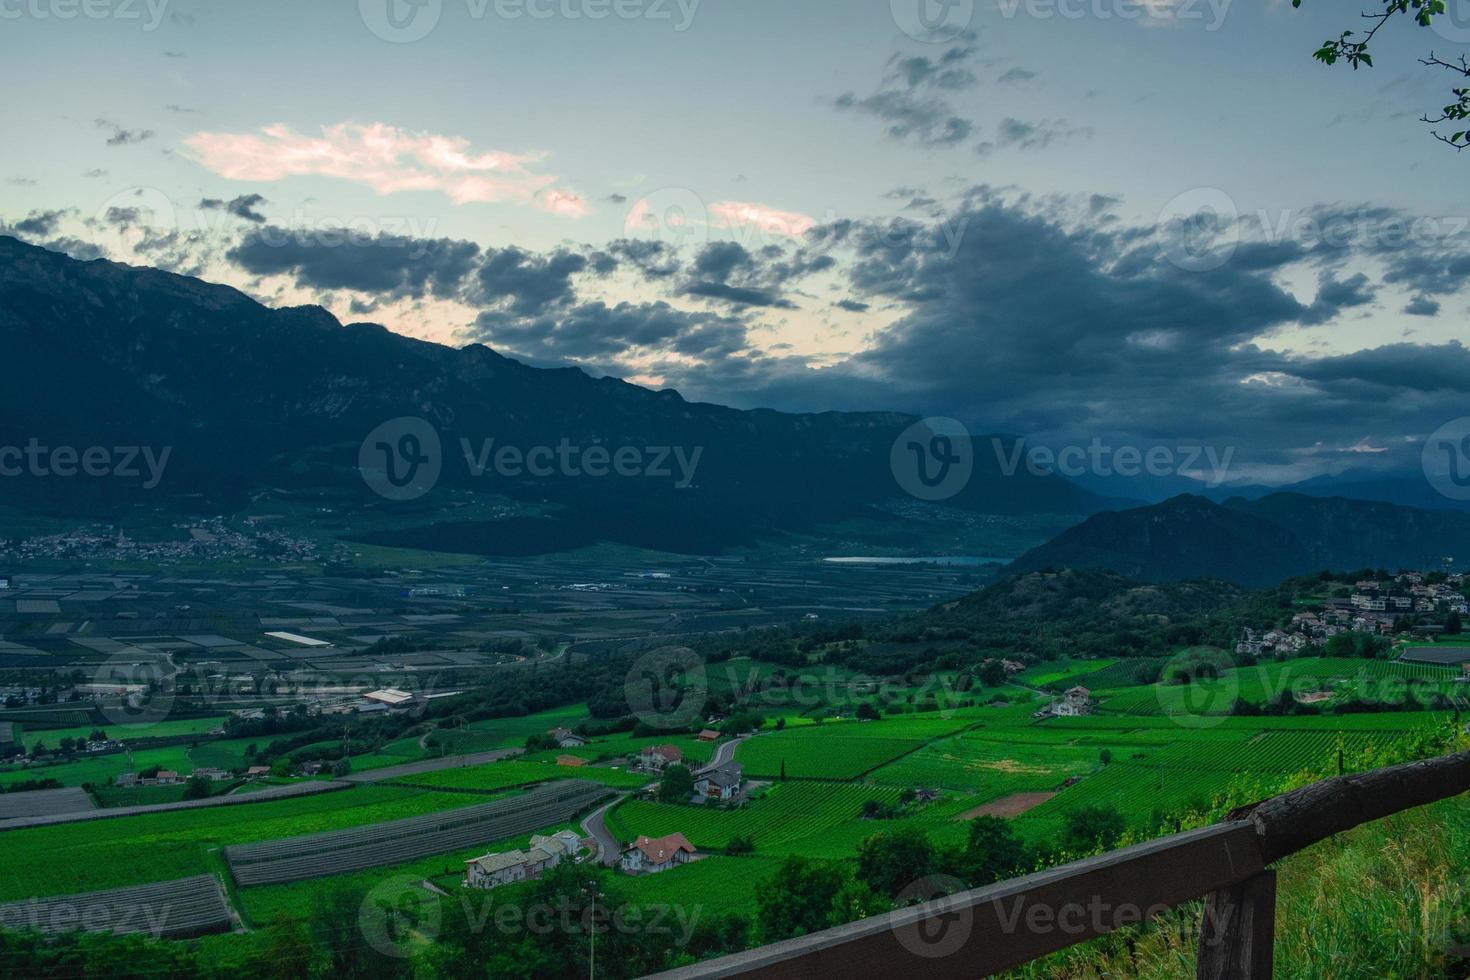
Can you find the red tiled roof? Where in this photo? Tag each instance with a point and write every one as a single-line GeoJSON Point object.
{"type": "Point", "coordinates": [661, 850]}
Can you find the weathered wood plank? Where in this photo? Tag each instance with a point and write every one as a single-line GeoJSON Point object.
{"type": "Point", "coordinates": [988, 930]}
{"type": "Point", "coordinates": [1238, 931]}
{"type": "Point", "coordinates": [1297, 820]}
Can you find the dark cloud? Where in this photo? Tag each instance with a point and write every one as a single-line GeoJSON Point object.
{"type": "Point", "coordinates": [390, 266]}
{"type": "Point", "coordinates": [653, 259]}
{"type": "Point", "coordinates": [121, 136]}
{"type": "Point", "coordinates": [38, 224]}
{"type": "Point", "coordinates": [1016, 75]}
{"type": "Point", "coordinates": [913, 98]}
{"type": "Point", "coordinates": [1334, 296]}
{"type": "Point", "coordinates": [738, 295]}
{"type": "Point", "coordinates": [852, 306]}
{"type": "Point", "coordinates": [245, 206]}
{"type": "Point", "coordinates": [1021, 134]}
{"type": "Point", "coordinates": [596, 333]}
{"type": "Point", "coordinates": [616, 198]}
{"type": "Point", "coordinates": [527, 284]}
{"type": "Point", "coordinates": [729, 272]}
{"type": "Point", "coordinates": [1422, 306]}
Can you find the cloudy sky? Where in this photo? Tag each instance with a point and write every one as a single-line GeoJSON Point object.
{"type": "Point", "coordinates": [1146, 221]}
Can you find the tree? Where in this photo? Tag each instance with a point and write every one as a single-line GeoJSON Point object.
{"type": "Point", "coordinates": [740, 846]}
{"type": "Point", "coordinates": [342, 767]}
{"type": "Point", "coordinates": [1105, 757]}
{"type": "Point", "coordinates": [866, 712]}
{"type": "Point", "coordinates": [675, 785]}
{"type": "Point", "coordinates": [1352, 48]}
{"type": "Point", "coordinates": [1091, 827]}
{"type": "Point", "coordinates": [992, 853]}
{"type": "Point", "coordinates": [992, 673]}
{"type": "Point", "coordinates": [799, 899]}
{"type": "Point", "coordinates": [892, 860]}
{"type": "Point", "coordinates": [197, 788]}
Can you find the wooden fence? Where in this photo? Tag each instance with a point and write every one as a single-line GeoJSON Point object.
{"type": "Point", "coordinates": [989, 930]}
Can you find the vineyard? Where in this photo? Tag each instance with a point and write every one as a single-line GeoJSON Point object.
{"type": "Point", "coordinates": [790, 817]}
{"type": "Point", "coordinates": [170, 909]}
{"type": "Point", "coordinates": [397, 842]}
{"type": "Point", "coordinates": [495, 776]}
{"type": "Point", "coordinates": [828, 757]}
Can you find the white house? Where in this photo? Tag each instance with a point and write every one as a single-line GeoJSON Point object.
{"type": "Point", "coordinates": [1074, 704]}
{"type": "Point", "coordinates": [566, 738]}
{"type": "Point", "coordinates": [655, 757]}
{"type": "Point", "coordinates": [720, 784]}
{"type": "Point", "coordinates": [648, 855]}
{"type": "Point", "coordinates": [494, 870]}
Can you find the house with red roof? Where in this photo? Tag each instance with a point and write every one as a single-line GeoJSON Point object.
{"type": "Point", "coordinates": [651, 855]}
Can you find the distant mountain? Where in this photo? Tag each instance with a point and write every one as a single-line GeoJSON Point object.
{"type": "Point", "coordinates": [1408, 490]}
{"type": "Point", "coordinates": [1254, 542]}
{"type": "Point", "coordinates": [98, 354]}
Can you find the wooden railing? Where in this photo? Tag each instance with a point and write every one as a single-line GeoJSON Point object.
{"type": "Point", "coordinates": [989, 930]}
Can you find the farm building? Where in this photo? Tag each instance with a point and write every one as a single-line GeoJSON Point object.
{"type": "Point", "coordinates": [649, 855]}
{"type": "Point", "coordinates": [722, 783]}
{"type": "Point", "coordinates": [566, 738]}
{"type": "Point", "coordinates": [709, 735]}
{"type": "Point", "coordinates": [655, 757]}
{"type": "Point", "coordinates": [1074, 704]}
{"type": "Point", "coordinates": [1444, 656]}
{"type": "Point", "coordinates": [392, 697]}
{"type": "Point", "coordinates": [570, 760]}
{"type": "Point", "coordinates": [494, 870]}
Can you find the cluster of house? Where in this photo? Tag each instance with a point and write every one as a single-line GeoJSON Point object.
{"type": "Point", "coordinates": [543, 854]}
{"type": "Point", "coordinates": [1073, 704]}
{"type": "Point", "coordinates": [1373, 607]}
{"type": "Point", "coordinates": [722, 782]}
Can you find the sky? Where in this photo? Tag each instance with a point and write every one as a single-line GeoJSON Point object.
{"type": "Point", "coordinates": [1146, 222]}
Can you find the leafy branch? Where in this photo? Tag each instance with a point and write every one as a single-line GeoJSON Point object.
{"type": "Point", "coordinates": [1351, 47]}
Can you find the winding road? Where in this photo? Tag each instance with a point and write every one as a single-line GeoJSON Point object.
{"type": "Point", "coordinates": [595, 827]}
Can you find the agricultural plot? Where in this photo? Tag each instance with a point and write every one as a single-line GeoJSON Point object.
{"type": "Point", "coordinates": [496, 776]}
{"type": "Point", "coordinates": [400, 841]}
{"type": "Point", "coordinates": [170, 909]}
{"type": "Point", "coordinates": [43, 803]}
{"type": "Point", "coordinates": [101, 768]}
{"type": "Point", "coordinates": [174, 843]}
{"type": "Point", "coordinates": [829, 757]}
{"type": "Point", "coordinates": [711, 885]}
{"type": "Point", "coordinates": [126, 733]}
{"type": "Point", "coordinates": [791, 817]}
{"type": "Point", "coordinates": [995, 764]}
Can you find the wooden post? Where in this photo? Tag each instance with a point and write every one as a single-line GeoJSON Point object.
{"type": "Point", "coordinates": [1238, 931]}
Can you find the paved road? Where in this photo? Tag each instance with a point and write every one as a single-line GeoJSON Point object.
{"type": "Point", "coordinates": [723, 754]}
{"type": "Point", "coordinates": [595, 826]}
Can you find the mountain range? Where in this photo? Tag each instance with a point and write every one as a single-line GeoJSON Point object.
{"type": "Point", "coordinates": [1255, 542]}
{"type": "Point", "coordinates": [246, 397]}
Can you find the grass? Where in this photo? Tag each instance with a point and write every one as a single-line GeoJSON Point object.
{"type": "Point", "coordinates": [829, 757]}
{"type": "Point", "coordinates": [502, 775]}
{"type": "Point", "coordinates": [126, 733]}
{"type": "Point", "coordinates": [91, 855]}
{"type": "Point", "coordinates": [792, 817]}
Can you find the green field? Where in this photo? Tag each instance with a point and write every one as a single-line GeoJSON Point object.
{"type": "Point", "coordinates": [501, 775]}
{"type": "Point", "coordinates": [99, 854]}
{"type": "Point", "coordinates": [790, 817]}
{"type": "Point", "coordinates": [126, 733]}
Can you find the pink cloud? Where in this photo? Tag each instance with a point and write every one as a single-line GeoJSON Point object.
{"type": "Point", "coordinates": [388, 160]}
{"type": "Point", "coordinates": [743, 214]}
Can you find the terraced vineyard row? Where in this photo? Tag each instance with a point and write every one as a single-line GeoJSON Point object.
{"type": "Point", "coordinates": [169, 909]}
{"type": "Point", "coordinates": [400, 841]}
{"type": "Point", "coordinates": [788, 813]}
{"type": "Point", "coordinates": [503, 775]}
{"type": "Point", "coordinates": [827, 757]}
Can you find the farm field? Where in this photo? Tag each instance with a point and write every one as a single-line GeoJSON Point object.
{"type": "Point", "coordinates": [829, 757]}
{"type": "Point", "coordinates": [100, 768]}
{"type": "Point", "coordinates": [86, 856]}
{"type": "Point", "coordinates": [125, 733]}
{"type": "Point", "coordinates": [791, 817]}
{"type": "Point", "coordinates": [495, 776]}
